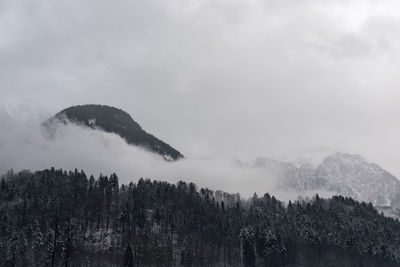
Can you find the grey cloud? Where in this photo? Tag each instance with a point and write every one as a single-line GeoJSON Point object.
{"type": "Point", "coordinates": [231, 79]}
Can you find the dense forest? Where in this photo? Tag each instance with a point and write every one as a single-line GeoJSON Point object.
{"type": "Point", "coordinates": [58, 218]}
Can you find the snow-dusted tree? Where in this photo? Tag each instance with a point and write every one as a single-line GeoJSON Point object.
{"type": "Point", "coordinates": [128, 257]}
{"type": "Point", "coordinates": [17, 249]}
{"type": "Point", "coordinates": [247, 235]}
{"type": "Point", "coordinates": [37, 244]}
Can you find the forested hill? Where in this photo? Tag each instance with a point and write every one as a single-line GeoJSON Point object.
{"type": "Point", "coordinates": [58, 218]}
{"type": "Point", "coordinates": [114, 120]}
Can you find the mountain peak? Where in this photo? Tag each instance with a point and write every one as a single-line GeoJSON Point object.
{"type": "Point", "coordinates": [340, 173]}
{"type": "Point", "coordinates": [92, 115]}
{"type": "Point", "coordinates": [115, 120]}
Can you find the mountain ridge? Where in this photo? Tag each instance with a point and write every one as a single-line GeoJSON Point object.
{"type": "Point", "coordinates": [341, 173]}
{"type": "Point", "coordinates": [114, 120]}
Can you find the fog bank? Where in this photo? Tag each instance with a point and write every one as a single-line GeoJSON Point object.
{"type": "Point", "coordinates": [24, 144]}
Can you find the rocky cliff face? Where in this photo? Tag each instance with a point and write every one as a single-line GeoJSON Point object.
{"type": "Point", "coordinates": [341, 173]}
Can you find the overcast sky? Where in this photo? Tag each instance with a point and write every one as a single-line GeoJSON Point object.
{"type": "Point", "coordinates": [231, 78]}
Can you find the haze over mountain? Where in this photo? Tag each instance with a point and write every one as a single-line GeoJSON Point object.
{"type": "Point", "coordinates": [341, 173]}
{"type": "Point", "coordinates": [114, 120]}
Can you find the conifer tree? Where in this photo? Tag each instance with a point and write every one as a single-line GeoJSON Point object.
{"type": "Point", "coordinates": [128, 257]}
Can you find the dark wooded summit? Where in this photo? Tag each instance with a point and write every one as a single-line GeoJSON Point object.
{"type": "Point", "coordinates": [114, 120]}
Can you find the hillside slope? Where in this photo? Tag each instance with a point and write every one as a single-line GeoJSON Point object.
{"type": "Point", "coordinates": [114, 120]}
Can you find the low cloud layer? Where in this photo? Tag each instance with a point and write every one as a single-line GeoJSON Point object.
{"type": "Point", "coordinates": [26, 145]}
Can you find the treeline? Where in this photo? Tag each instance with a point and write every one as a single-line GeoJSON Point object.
{"type": "Point", "coordinates": [58, 218]}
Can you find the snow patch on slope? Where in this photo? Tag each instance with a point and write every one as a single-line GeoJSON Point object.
{"type": "Point", "coordinates": [341, 173]}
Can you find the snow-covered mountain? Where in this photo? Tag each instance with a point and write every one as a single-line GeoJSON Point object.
{"type": "Point", "coordinates": [340, 173]}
